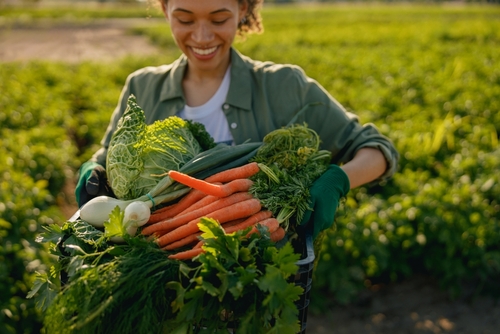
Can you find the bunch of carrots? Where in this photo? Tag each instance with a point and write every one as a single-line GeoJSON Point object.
{"type": "Point", "coordinates": [223, 197]}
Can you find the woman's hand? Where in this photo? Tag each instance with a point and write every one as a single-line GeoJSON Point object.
{"type": "Point", "coordinates": [326, 193]}
{"type": "Point", "coordinates": [92, 182]}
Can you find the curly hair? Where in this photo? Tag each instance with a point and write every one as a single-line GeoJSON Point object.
{"type": "Point", "coordinates": [251, 23]}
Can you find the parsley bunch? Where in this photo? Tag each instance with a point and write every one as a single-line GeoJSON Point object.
{"type": "Point", "coordinates": [239, 283]}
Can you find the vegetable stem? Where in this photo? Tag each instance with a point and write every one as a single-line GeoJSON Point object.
{"type": "Point", "coordinates": [95, 314]}
{"type": "Point", "coordinates": [166, 197]}
{"type": "Point", "coordinates": [269, 172]}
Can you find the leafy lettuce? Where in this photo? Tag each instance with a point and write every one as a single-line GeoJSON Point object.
{"type": "Point", "coordinates": [140, 155]}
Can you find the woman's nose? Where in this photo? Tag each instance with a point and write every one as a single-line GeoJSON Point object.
{"type": "Point", "coordinates": [202, 33]}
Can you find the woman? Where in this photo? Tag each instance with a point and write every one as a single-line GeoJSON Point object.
{"type": "Point", "coordinates": [240, 99]}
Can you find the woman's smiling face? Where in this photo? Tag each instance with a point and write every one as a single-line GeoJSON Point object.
{"type": "Point", "coordinates": [204, 30]}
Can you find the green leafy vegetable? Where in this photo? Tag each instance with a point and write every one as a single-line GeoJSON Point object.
{"type": "Point", "coordinates": [239, 282]}
{"type": "Point", "coordinates": [44, 290]}
{"type": "Point", "coordinates": [201, 135]}
{"type": "Point", "coordinates": [109, 289]}
{"type": "Point", "coordinates": [290, 160]}
{"type": "Point", "coordinates": [140, 155]}
{"type": "Point", "coordinates": [70, 243]}
{"type": "Point", "coordinates": [114, 225]}
{"type": "Point", "coordinates": [125, 295]}
{"type": "Point", "coordinates": [123, 161]}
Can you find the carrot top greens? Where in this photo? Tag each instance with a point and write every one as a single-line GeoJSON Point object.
{"type": "Point", "coordinates": [290, 160]}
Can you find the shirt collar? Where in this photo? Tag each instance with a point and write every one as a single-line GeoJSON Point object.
{"type": "Point", "coordinates": [239, 94]}
{"type": "Point", "coordinates": [240, 90]}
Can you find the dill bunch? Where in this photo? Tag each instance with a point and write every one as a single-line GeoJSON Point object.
{"type": "Point", "coordinates": [127, 294]}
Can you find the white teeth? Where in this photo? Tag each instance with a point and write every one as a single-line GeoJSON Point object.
{"type": "Point", "coordinates": [204, 52]}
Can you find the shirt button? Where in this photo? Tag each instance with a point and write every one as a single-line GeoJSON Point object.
{"type": "Point", "coordinates": [234, 125]}
{"type": "Point", "coordinates": [225, 106]}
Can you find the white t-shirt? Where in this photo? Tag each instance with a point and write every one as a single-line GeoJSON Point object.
{"type": "Point", "coordinates": [211, 114]}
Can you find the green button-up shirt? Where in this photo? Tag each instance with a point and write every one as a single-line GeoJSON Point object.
{"type": "Point", "coordinates": [262, 97]}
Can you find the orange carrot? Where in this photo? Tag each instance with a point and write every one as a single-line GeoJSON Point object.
{"type": "Point", "coordinates": [172, 223]}
{"type": "Point", "coordinates": [234, 222]}
{"type": "Point", "coordinates": [275, 236]}
{"type": "Point", "coordinates": [250, 221]}
{"type": "Point", "coordinates": [210, 188]}
{"type": "Point", "coordinates": [278, 234]}
{"type": "Point", "coordinates": [185, 202]}
{"type": "Point", "coordinates": [242, 172]}
{"type": "Point", "coordinates": [183, 242]}
{"type": "Point", "coordinates": [186, 255]}
{"type": "Point", "coordinates": [272, 225]}
{"type": "Point", "coordinates": [163, 209]}
{"type": "Point", "coordinates": [237, 210]}
{"type": "Point", "coordinates": [194, 237]}
{"type": "Point", "coordinates": [191, 198]}
{"type": "Point", "coordinates": [201, 203]}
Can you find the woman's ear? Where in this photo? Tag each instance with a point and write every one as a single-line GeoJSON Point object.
{"type": "Point", "coordinates": [164, 9]}
{"type": "Point", "coordinates": [243, 9]}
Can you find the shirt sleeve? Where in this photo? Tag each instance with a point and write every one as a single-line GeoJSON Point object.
{"type": "Point", "coordinates": [147, 85]}
{"type": "Point", "coordinates": [100, 155]}
{"type": "Point", "coordinates": [340, 131]}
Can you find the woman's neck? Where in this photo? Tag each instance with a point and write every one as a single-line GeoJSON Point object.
{"type": "Point", "coordinates": [199, 86]}
{"type": "Point", "coordinates": [201, 74]}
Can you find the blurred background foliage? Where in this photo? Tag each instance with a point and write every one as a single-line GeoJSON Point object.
{"type": "Point", "coordinates": [427, 75]}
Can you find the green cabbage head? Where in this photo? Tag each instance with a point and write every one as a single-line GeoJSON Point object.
{"type": "Point", "coordinates": [140, 155]}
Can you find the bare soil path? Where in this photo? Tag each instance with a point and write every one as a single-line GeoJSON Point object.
{"type": "Point", "coordinates": [415, 306]}
{"type": "Point", "coordinates": [103, 40]}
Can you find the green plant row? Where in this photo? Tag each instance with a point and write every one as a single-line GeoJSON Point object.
{"type": "Point", "coordinates": [427, 76]}
{"type": "Point", "coordinates": [52, 118]}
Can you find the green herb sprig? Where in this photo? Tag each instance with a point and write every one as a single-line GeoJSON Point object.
{"type": "Point", "coordinates": [109, 288]}
{"type": "Point", "coordinates": [290, 161]}
{"type": "Point", "coordinates": [239, 282]}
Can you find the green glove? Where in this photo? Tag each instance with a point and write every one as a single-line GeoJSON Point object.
{"type": "Point", "coordinates": [92, 182]}
{"type": "Point", "coordinates": [326, 193]}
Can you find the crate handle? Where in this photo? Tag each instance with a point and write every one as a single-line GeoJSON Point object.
{"type": "Point", "coordinates": [309, 250]}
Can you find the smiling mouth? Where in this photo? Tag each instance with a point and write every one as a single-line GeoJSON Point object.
{"type": "Point", "coordinates": [204, 52]}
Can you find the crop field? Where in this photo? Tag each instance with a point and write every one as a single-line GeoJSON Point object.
{"type": "Point", "coordinates": [428, 76]}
